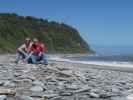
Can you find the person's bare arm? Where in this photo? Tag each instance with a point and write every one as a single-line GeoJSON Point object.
{"type": "Point", "coordinates": [21, 49]}
{"type": "Point", "coordinates": [44, 48]}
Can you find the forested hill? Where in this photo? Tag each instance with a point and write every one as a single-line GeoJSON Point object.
{"type": "Point", "coordinates": [58, 37]}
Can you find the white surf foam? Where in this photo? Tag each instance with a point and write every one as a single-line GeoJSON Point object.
{"type": "Point", "coordinates": [57, 58]}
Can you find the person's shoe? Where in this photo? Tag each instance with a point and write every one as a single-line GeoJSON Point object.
{"type": "Point", "coordinates": [15, 62]}
{"type": "Point", "coordinates": [45, 64]}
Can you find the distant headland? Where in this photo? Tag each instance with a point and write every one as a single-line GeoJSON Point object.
{"type": "Point", "coordinates": [58, 37]}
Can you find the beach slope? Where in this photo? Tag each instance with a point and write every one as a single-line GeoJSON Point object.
{"type": "Point", "coordinates": [62, 81]}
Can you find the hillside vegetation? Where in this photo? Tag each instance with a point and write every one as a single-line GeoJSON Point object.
{"type": "Point", "coordinates": [58, 37]}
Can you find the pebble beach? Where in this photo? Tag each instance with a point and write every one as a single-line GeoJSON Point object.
{"type": "Point", "coordinates": [62, 81]}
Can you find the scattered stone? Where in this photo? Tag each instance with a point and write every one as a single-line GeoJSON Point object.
{"type": "Point", "coordinates": [119, 98]}
{"type": "Point", "coordinates": [27, 98]}
{"type": "Point", "coordinates": [63, 81]}
{"type": "Point", "coordinates": [60, 83]}
{"type": "Point", "coordinates": [62, 68]}
{"type": "Point", "coordinates": [66, 93]}
{"type": "Point", "coordinates": [105, 95]}
{"type": "Point", "coordinates": [49, 96]}
{"type": "Point", "coordinates": [130, 97]}
{"type": "Point", "coordinates": [3, 97]}
{"type": "Point", "coordinates": [72, 87]}
{"type": "Point", "coordinates": [31, 77]}
{"type": "Point", "coordinates": [57, 98]}
{"type": "Point", "coordinates": [37, 94]}
{"type": "Point", "coordinates": [94, 95]}
{"type": "Point", "coordinates": [9, 84]}
{"type": "Point", "coordinates": [36, 89]}
{"type": "Point", "coordinates": [1, 83]}
{"type": "Point", "coordinates": [38, 83]}
{"type": "Point", "coordinates": [60, 87]}
{"type": "Point", "coordinates": [17, 74]}
{"type": "Point", "coordinates": [63, 74]}
{"type": "Point", "coordinates": [83, 89]}
{"type": "Point", "coordinates": [115, 90]}
{"type": "Point", "coordinates": [26, 80]}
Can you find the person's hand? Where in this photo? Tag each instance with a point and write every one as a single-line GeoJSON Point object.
{"type": "Point", "coordinates": [30, 54]}
{"type": "Point", "coordinates": [40, 54]}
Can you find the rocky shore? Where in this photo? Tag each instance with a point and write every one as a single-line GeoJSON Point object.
{"type": "Point", "coordinates": [62, 81]}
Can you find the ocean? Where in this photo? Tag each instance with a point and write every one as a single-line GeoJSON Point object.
{"type": "Point", "coordinates": [110, 54]}
{"type": "Point", "coordinates": [106, 56]}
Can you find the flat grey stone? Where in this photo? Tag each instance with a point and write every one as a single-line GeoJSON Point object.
{"type": "Point", "coordinates": [65, 93]}
{"type": "Point", "coordinates": [48, 96]}
{"type": "Point", "coordinates": [38, 83]}
{"type": "Point", "coordinates": [27, 98]}
{"type": "Point", "coordinates": [115, 90]}
{"type": "Point", "coordinates": [17, 74]}
{"type": "Point", "coordinates": [106, 95]}
{"type": "Point", "coordinates": [3, 97]}
{"type": "Point", "coordinates": [36, 89]}
{"type": "Point", "coordinates": [37, 94]}
{"type": "Point", "coordinates": [130, 97]}
{"type": "Point", "coordinates": [9, 84]}
{"type": "Point", "coordinates": [83, 89]}
{"type": "Point", "coordinates": [94, 95]}
{"type": "Point", "coordinates": [72, 87]}
{"type": "Point", "coordinates": [1, 83]}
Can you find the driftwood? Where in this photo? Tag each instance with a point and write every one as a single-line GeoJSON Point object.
{"type": "Point", "coordinates": [7, 92]}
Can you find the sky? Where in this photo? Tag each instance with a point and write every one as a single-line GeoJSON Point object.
{"type": "Point", "coordinates": [100, 22]}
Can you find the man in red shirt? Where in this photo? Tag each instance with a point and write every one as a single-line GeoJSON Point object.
{"type": "Point", "coordinates": [38, 52]}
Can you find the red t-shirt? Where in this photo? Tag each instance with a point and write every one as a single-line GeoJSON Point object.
{"type": "Point", "coordinates": [37, 48]}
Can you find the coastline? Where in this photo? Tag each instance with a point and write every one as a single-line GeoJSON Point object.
{"type": "Point", "coordinates": [116, 66]}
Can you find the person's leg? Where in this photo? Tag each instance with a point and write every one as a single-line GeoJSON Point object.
{"type": "Point", "coordinates": [17, 57]}
{"type": "Point", "coordinates": [34, 59]}
{"type": "Point", "coordinates": [26, 57]}
{"type": "Point", "coordinates": [45, 59]}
